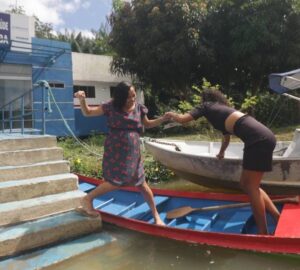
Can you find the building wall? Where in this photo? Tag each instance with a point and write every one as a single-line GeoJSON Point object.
{"type": "Point", "coordinates": [57, 70]}
{"type": "Point", "coordinates": [53, 62]}
{"type": "Point", "coordinates": [94, 70]}
{"type": "Point", "coordinates": [29, 60]}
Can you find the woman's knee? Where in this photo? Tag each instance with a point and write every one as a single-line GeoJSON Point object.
{"type": "Point", "coordinates": [250, 180]}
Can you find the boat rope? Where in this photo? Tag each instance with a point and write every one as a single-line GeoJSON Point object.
{"type": "Point", "coordinates": [83, 144]}
{"type": "Point", "coordinates": [177, 148]}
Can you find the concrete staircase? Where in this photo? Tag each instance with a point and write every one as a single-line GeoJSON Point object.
{"type": "Point", "coordinates": [38, 195]}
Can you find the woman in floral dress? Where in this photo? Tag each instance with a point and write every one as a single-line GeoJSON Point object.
{"type": "Point", "coordinates": [122, 164]}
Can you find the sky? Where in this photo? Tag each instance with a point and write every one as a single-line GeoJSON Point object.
{"type": "Point", "coordinates": [73, 15]}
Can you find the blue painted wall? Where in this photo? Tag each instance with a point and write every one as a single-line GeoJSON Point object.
{"type": "Point", "coordinates": [58, 68]}
{"type": "Point", "coordinates": [52, 61]}
{"type": "Point", "coordinates": [89, 125]}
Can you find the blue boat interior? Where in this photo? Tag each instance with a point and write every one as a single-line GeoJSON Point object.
{"type": "Point", "coordinates": [132, 205]}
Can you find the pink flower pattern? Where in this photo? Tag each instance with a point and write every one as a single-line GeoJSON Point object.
{"type": "Point", "coordinates": [122, 164]}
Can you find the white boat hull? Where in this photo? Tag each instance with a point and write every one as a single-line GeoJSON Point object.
{"type": "Point", "coordinates": [197, 162]}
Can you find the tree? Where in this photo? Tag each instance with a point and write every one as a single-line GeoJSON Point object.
{"type": "Point", "coordinates": [43, 30]}
{"type": "Point", "coordinates": [101, 44]}
{"type": "Point", "coordinates": [251, 39]}
{"type": "Point", "coordinates": [160, 42]}
{"type": "Point", "coordinates": [15, 9]}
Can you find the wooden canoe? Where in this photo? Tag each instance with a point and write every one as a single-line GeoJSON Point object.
{"type": "Point", "coordinates": [230, 227]}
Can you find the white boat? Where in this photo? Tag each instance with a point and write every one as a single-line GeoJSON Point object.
{"type": "Point", "coordinates": [196, 161]}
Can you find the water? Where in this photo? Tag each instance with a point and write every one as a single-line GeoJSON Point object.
{"type": "Point", "coordinates": [136, 251]}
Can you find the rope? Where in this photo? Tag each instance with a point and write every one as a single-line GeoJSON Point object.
{"type": "Point", "coordinates": [273, 109]}
{"type": "Point", "coordinates": [277, 113]}
{"type": "Point", "coordinates": [83, 144]}
{"type": "Point", "coordinates": [177, 148]}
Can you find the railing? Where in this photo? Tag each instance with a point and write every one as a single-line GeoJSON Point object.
{"type": "Point", "coordinates": [15, 113]}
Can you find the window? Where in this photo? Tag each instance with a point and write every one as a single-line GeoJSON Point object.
{"type": "Point", "coordinates": [56, 85]}
{"type": "Point", "coordinates": [89, 90]}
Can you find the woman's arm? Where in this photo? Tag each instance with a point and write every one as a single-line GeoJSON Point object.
{"type": "Point", "coordinates": [180, 118]}
{"type": "Point", "coordinates": [86, 110]}
{"type": "Point", "coordinates": [224, 145]}
{"type": "Point", "coordinates": [153, 122]}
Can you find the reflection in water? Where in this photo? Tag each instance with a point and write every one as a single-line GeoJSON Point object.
{"type": "Point", "coordinates": [137, 251]}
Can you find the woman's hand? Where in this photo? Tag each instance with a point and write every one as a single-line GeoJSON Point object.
{"type": "Point", "coordinates": [180, 118]}
{"type": "Point", "coordinates": [220, 155]}
{"type": "Point", "coordinates": [170, 116]}
{"type": "Point", "coordinates": [80, 95]}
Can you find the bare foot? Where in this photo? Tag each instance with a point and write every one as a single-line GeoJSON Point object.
{"type": "Point", "coordinates": [87, 208]}
{"type": "Point", "coordinates": [159, 222]}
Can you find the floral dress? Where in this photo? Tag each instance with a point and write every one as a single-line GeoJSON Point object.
{"type": "Point", "coordinates": [122, 164]}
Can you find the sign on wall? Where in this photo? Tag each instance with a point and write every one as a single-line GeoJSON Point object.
{"type": "Point", "coordinates": [16, 30]}
{"type": "Point", "coordinates": [4, 30]}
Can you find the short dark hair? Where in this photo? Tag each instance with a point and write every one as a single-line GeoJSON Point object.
{"type": "Point", "coordinates": [210, 95]}
{"type": "Point", "coordinates": [120, 95]}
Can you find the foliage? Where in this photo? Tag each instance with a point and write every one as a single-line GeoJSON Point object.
{"type": "Point", "coordinates": [183, 106]}
{"type": "Point", "coordinates": [79, 43]}
{"type": "Point", "coordinates": [249, 103]}
{"type": "Point", "coordinates": [86, 163]}
{"type": "Point", "coordinates": [99, 44]}
{"type": "Point", "coordinates": [159, 41]}
{"type": "Point", "coordinates": [43, 30]}
{"type": "Point", "coordinates": [276, 111]}
{"type": "Point", "coordinates": [169, 45]}
{"type": "Point", "coordinates": [156, 172]}
{"type": "Point", "coordinates": [81, 160]}
{"type": "Point", "coordinates": [251, 39]}
{"type": "Point", "coordinates": [16, 9]}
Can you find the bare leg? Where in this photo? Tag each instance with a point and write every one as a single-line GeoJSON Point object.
{"type": "Point", "coordinates": [250, 181]}
{"type": "Point", "coordinates": [86, 201]}
{"type": "Point", "coordinates": [270, 206]}
{"type": "Point", "coordinates": [148, 195]}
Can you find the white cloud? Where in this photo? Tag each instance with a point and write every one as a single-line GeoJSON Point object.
{"type": "Point", "coordinates": [48, 11]}
{"type": "Point", "coordinates": [84, 32]}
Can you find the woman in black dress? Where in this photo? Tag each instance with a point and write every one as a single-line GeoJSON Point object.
{"type": "Point", "coordinates": [259, 145]}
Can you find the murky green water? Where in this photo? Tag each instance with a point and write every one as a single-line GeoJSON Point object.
{"type": "Point", "coordinates": [136, 251]}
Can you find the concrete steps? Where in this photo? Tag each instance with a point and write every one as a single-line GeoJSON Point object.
{"type": "Point", "coordinates": [48, 256]}
{"type": "Point", "coordinates": [30, 156]}
{"type": "Point", "coordinates": [19, 211]}
{"type": "Point", "coordinates": [42, 232]}
{"type": "Point", "coordinates": [22, 142]}
{"type": "Point", "coordinates": [38, 195]}
{"type": "Point", "coordinates": [8, 173]}
{"type": "Point", "coordinates": [24, 189]}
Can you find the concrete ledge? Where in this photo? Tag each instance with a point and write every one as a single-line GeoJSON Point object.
{"type": "Point", "coordinates": [8, 173]}
{"type": "Point", "coordinates": [19, 211]}
{"type": "Point", "coordinates": [24, 189]}
{"type": "Point", "coordinates": [11, 142]}
{"type": "Point", "coordinates": [56, 254]}
{"type": "Point", "coordinates": [29, 156]}
{"type": "Point", "coordinates": [45, 231]}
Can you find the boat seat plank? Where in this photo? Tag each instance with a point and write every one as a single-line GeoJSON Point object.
{"type": "Point", "coordinates": [98, 205]}
{"type": "Point", "coordinates": [203, 221]}
{"type": "Point", "coordinates": [86, 187]}
{"type": "Point", "coordinates": [125, 209]}
{"type": "Point", "coordinates": [143, 209]}
{"type": "Point", "coordinates": [237, 222]}
{"type": "Point", "coordinates": [288, 225]}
